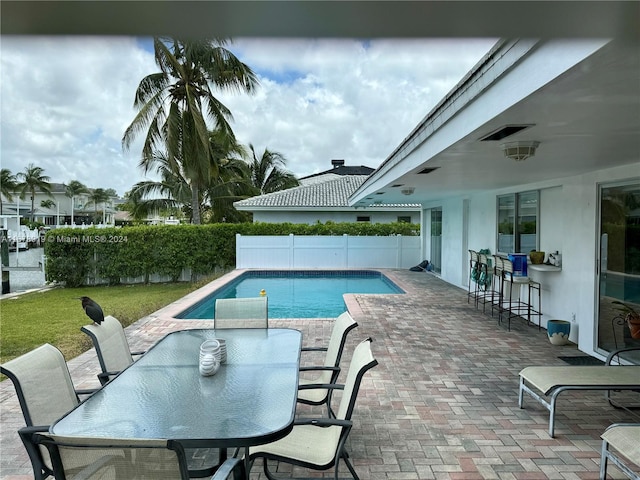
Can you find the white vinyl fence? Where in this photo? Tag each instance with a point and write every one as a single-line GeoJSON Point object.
{"type": "Point", "coordinates": [302, 251]}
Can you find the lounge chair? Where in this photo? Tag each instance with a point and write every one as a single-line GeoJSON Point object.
{"type": "Point", "coordinates": [76, 458]}
{"type": "Point", "coordinates": [319, 443]}
{"type": "Point", "coordinates": [45, 392]}
{"type": "Point", "coordinates": [625, 439]}
{"type": "Point", "coordinates": [111, 347]}
{"type": "Point", "coordinates": [329, 371]}
{"type": "Point", "coordinates": [552, 381]}
{"type": "Point", "coordinates": [241, 313]}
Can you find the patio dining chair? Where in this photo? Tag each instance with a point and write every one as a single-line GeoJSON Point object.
{"type": "Point", "coordinates": [45, 392]}
{"type": "Point", "coordinates": [241, 313]}
{"type": "Point", "coordinates": [113, 352]}
{"type": "Point", "coordinates": [112, 348]}
{"type": "Point", "coordinates": [319, 443]}
{"type": "Point", "coordinates": [309, 393]}
{"type": "Point", "coordinates": [76, 458]}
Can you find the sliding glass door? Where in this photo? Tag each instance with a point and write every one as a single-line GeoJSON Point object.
{"type": "Point", "coordinates": [436, 239]}
{"type": "Point", "coordinates": [619, 264]}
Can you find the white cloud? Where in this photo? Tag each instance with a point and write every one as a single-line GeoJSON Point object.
{"type": "Point", "coordinates": [67, 101]}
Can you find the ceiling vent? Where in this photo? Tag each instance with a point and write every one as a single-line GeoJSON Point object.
{"type": "Point", "coordinates": [504, 132]}
{"type": "Point", "coordinates": [424, 171]}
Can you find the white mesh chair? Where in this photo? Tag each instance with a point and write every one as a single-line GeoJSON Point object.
{"type": "Point", "coordinates": [327, 374]}
{"type": "Point", "coordinates": [76, 458]}
{"type": "Point", "coordinates": [114, 355]}
{"type": "Point", "coordinates": [241, 313]}
{"type": "Point", "coordinates": [319, 443]}
{"type": "Point", "coordinates": [625, 440]}
{"type": "Point", "coordinates": [45, 392]}
{"type": "Point", "coordinates": [111, 346]}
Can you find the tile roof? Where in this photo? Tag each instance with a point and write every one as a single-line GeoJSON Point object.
{"type": "Point", "coordinates": [334, 193]}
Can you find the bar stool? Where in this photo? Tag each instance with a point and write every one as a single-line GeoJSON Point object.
{"type": "Point", "coordinates": [518, 307]}
{"type": "Point", "coordinates": [486, 292]}
{"type": "Point", "coordinates": [496, 285]}
{"type": "Point", "coordinates": [473, 276]}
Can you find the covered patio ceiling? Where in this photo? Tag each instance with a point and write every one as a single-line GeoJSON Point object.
{"type": "Point", "coordinates": [587, 119]}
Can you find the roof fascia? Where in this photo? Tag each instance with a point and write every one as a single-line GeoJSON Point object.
{"type": "Point", "coordinates": [376, 208]}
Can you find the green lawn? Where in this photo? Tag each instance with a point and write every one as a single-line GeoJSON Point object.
{"type": "Point", "coordinates": [55, 316]}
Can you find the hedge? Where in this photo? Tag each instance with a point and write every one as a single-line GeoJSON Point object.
{"type": "Point", "coordinates": [75, 255]}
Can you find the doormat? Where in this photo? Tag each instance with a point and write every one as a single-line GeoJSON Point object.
{"type": "Point", "coordinates": [582, 360]}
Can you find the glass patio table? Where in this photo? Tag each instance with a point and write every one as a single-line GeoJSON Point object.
{"type": "Point", "coordinates": [251, 400]}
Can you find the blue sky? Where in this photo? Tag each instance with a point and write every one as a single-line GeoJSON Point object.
{"type": "Point", "coordinates": [67, 101]}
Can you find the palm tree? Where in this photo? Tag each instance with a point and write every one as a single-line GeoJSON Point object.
{"type": "Point", "coordinates": [96, 196]}
{"type": "Point", "coordinates": [268, 173]}
{"type": "Point", "coordinates": [8, 185]}
{"type": "Point", "coordinates": [233, 183]}
{"type": "Point", "coordinates": [171, 192]}
{"type": "Point", "coordinates": [72, 190]}
{"type": "Point", "coordinates": [175, 103]}
{"type": "Point", "coordinates": [233, 179]}
{"type": "Point", "coordinates": [30, 180]}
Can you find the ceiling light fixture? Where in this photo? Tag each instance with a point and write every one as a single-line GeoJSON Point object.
{"type": "Point", "coordinates": [519, 151]}
{"type": "Point", "coordinates": [408, 190]}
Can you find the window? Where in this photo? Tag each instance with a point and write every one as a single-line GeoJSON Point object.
{"type": "Point", "coordinates": [363, 219]}
{"type": "Point", "coordinates": [518, 222]}
{"type": "Point", "coordinates": [403, 219]}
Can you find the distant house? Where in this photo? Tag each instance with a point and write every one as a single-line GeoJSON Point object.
{"type": "Point", "coordinates": [324, 197]}
{"type": "Point", "coordinates": [56, 209]}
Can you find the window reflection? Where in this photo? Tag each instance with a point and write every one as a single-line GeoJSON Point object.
{"type": "Point", "coordinates": [518, 222]}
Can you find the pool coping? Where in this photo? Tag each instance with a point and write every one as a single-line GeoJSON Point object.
{"type": "Point", "coordinates": [171, 311]}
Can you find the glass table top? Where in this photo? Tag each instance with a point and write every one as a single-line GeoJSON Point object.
{"type": "Point", "coordinates": [250, 400]}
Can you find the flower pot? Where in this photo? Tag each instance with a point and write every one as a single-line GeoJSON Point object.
{"type": "Point", "coordinates": [558, 331]}
{"type": "Point", "coordinates": [536, 257]}
{"type": "Point", "coordinates": [633, 320]}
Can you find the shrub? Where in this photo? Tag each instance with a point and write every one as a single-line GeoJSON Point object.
{"type": "Point", "coordinates": [110, 254]}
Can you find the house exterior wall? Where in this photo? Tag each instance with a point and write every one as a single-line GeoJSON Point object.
{"type": "Point", "coordinates": [568, 223]}
{"type": "Point", "coordinates": [312, 217]}
{"type": "Point", "coordinates": [60, 210]}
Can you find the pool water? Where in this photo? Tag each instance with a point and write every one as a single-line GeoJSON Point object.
{"type": "Point", "coordinates": [297, 294]}
{"type": "Point", "coordinates": [623, 287]}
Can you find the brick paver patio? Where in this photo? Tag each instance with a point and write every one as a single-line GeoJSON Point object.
{"type": "Point", "coordinates": [442, 404]}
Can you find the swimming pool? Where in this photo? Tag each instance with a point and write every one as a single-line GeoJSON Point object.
{"type": "Point", "coordinates": [297, 294]}
{"type": "Point", "coordinates": [624, 287]}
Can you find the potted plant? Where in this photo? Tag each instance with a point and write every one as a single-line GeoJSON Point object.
{"type": "Point", "coordinates": [631, 315]}
{"type": "Point", "coordinates": [536, 257]}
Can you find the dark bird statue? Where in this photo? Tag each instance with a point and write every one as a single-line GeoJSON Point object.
{"type": "Point", "coordinates": [92, 309]}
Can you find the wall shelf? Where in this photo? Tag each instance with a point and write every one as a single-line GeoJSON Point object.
{"type": "Point", "coordinates": [544, 268]}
